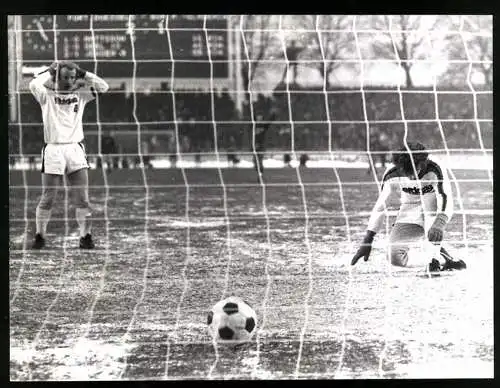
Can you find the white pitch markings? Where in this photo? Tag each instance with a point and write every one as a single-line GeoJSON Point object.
{"type": "Point", "coordinates": [224, 189]}
{"type": "Point", "coordinates": [125, 337]}
{"type": "Point", "coordinates": [188, 223]}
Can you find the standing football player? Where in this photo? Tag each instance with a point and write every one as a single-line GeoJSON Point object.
{"type": "Point", "coordinates": [260, 138]}
{"type": "Point", "coordinates": [426, 208]}
{"type": "Point", "coordinates": [62, 91]}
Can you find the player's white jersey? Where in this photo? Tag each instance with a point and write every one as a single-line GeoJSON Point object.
{"type": "Point", "coordinates": [421, 199]}
{"type": "Point", "coordinates": [62, 112]}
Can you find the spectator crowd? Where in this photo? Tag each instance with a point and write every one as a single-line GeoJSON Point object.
{"type": "Point", "coordinates": [144, 125]}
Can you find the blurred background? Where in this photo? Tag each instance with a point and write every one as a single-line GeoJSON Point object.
{"type": "Point", "coordinates": [343, 86]}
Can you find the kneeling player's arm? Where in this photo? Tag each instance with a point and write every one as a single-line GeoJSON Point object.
{"type": "Point", "coordinates": [378, 211]}
{"type": "Point", "coordinates": [444, 209]}
{"type": "Point", "coordinates": [375, 221]}
{"type": "Point", "coordinates": [444, 193]}
{"type": "Point", "coordinates": [374, 224]}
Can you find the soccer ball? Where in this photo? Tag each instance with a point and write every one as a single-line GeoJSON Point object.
{"type": "Point", "coordinates": [232, 320]}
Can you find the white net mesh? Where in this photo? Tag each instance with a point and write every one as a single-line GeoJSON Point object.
{"type": "Point", "coordinates": [197, 106]}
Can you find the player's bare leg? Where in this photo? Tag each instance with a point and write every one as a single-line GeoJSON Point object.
{"type": "Point", "coordinates": [50, 184]}
{"type": "Point", "coordinates": [79, 181]}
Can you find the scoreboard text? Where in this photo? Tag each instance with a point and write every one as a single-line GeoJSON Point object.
{"type": "Point", "coordinates": [128, 45]}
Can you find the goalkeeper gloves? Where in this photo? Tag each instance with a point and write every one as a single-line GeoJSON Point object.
{"type": "Point", "coordinates": [365, 248]}
{"type": "Point", "coordinates": [436, 231]}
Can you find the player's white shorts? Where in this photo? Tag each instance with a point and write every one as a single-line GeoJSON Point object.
{"type": "Point", "coordinates": [60, 159]}
{"type": "Point", "coordinates": [415, 213]}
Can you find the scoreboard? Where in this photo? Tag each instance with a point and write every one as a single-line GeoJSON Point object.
{"type": "Point", "coordinates": [130, 45]}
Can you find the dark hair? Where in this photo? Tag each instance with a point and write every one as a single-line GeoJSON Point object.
{"type": "Point", "coordinates": [403, 157]}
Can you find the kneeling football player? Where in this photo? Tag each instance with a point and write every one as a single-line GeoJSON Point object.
{"type": "Point", "coordinates": [426, 208]}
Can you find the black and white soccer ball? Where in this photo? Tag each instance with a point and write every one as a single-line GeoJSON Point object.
{"type": "Point", "coordinates": [232, 320]}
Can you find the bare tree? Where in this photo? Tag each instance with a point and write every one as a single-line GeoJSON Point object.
{"type": "Point", "coordinates": [472, 43]}
{"type": "Point", "coordinates": [330, 41]}
{"type": "Point", "coordinates": [404, 38]}
{"type": "Point", "coordinates": [255, 39]}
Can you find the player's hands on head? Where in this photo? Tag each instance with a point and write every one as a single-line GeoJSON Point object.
{"type": "Point", "coordinates": [365, 249]}
{"type": "Point", "coordinates": [80, 73]}
{"type": "Point", "coordinates": [53, 68]}
{"type": "Point", "coordinates": [57, 65]}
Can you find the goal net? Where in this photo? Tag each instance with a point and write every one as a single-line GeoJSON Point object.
{"type": "Point", "coordinates": [198, 105]}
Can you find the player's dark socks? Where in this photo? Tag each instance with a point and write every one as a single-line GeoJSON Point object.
{"type": "Point", "coordinates": [86, 242]}
{"type": "Point", "coordinates": [39, 242]}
